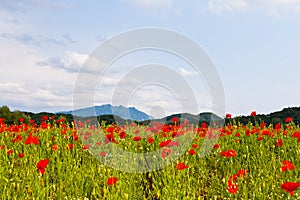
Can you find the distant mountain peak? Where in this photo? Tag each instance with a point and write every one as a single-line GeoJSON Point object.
{"type": "Point", "coordinates": [107, 109]}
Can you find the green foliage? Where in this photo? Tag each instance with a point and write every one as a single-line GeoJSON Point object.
{"type": "Point", "coordinates": [75, 173]}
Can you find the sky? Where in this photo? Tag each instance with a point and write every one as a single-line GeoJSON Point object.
{"type": "Point", "coordinates": [253, 44]}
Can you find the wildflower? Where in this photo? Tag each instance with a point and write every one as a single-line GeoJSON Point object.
{"type": "Point", "coordinates": [229, 153]}
{"type": "Point", "coordinates": [86, 146]}
{"type": "Point", "coordinates": [32, 140]}
{"type": "Point", "coordinates": [296, 135]}
{"type": "Point", "coordinates": [166, 152]}
{"type": "Point", "coordinates": [54, 147]}
{"type": "Point", "coordinates": [192, 152]}
{"type": "Point", "coordinates": [181, 166]}
{"type": "Point", "coordinates": [137, 138]}
{"type": "Point", "coordinates": [287, 165]}
{"type": "Point", "coordinates": [10, 151]}
{"type": "Point", "coordinates": [175, 120]}
{"type": "Point", "coordinates": [253, 113]}
{"type": "Point", "coordinates": [71, 146]}
{"type": "Point", "coordinates": [44, 118]}
{"type": "Point", "coordinates": [279, 143]}
{"type": "Point", "coordinates": [232, 187]}
{"type": "Point", "coordinates": [288, 119]}
{"type": "Point", "coordinates": [21, 155]}
{"type": "Point", "coordinates": [228, 116]}
{"type": "Point", "coordinates": [290, 187]}
{"type": "Point", "coordinates": [103, 153]}
{"type": "Point", "coordinates": [21, 120]}
{"type": "Point", "coordinates": [216, 146]}
{"type": "Point", "coordinates": [242, 172]}
{"type": "Point", "coordinates": [109, 138]}
{"type": "Point", "coordinates": [122, 135]}
{"type": "Point", "coordinates": [112, 181]}
{"type": "Point", "coordinates": [150, 140]}
{"type": "Point", "coordinates": [42, 164]}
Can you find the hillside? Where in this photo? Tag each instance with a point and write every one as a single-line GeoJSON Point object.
{"type": "Point", "coordinates": [11, 117]}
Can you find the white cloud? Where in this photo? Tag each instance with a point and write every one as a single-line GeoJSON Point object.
{"type": "Point", "coordinates": [271, 7]}
{"type": "Point", "coordinates": [12, 88]}
{"type": "Point", "coordinates": [70, 61]}
{"type": "Point", "coordinates": [152, 5]}
{"type": "Point", "coordinates": [17, 5]}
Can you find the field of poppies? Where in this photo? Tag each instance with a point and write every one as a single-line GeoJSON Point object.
{"type": "Point", "coordinates": [57, 160]}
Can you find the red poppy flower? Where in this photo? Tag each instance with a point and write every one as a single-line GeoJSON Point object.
{"type": "Point", "coordinates": [181, 166]}
{"type": "Point", "coordinates": [265, 132]}
{"type": "Point", "coordinates": [290, 187]}
{"type": "Point", "coordinates": [237, 135]}
{"type": "Point", "coordinates": [195, 146]}
{"type": "Point", "coordinates": [242, 172]}
{"type": "Point", "coordinates": [216, 146]}
{"type": "Point", "coordinates": [232, 178]}
{"type": "Point", "coordinates": [21, 155]}
{"type": "Point", "coordinates": [232, 188]}
{"type": "Point", "coordinates": [229, 153]}
{"type": "Point", "coordinates": [21, 120]}
{"type": "Point", "coordinates": [279, 143]}
{"type": "Point", "coordinates": [253, 113]}
{"type": "Point", "coordinates": [86, 146]}
{"type": "Point", "coordinates": [109, 138]}
{"type": "Point", "coordinates": [175, 120]}
{"type": "Point", "coordinates": [263, 125]}
{"type": "Point", "coordinates": [296, 135]}
{"type": "Point", "coordinates": [137, 138]}
{"type": "Point", "coordinates": [287, 165]}
{"type": "Point", "coordinates": [44, 118]}
{"type": "Point", "coordinates": [112, 181]}
{"type": "Point", "coordinates": [228, 116]}
{"type": "Point", "coordinates": [166, 152]}
{"type": "Point", "coordinates": [103, 153]}
{"type": "Point", "coordinates": [122, 135]}
{"type": "Point", "coordinates": [54, 147]}
{"type": "Point", "coordinates": [10, 151]}
{"type": "Point", "coordinates": [288, 119]}
{"type": "Point", "coordinates": [278, 126]}
{"type": "Point", "coordinates": [150, 140]}
{"type": "Point", "coordinates": [32, 140]}
{"type": "Point", "coordinates": [260, 138]}
{"type": "Point", "coordinates": [71, 146]}
{"type": "Point", "coordinates": [192, 152]}
{"type": "Point", "coordinates": [42, 164]}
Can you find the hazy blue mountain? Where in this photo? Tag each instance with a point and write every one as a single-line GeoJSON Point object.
{"type": "Point", "coordinates": [126, 113]}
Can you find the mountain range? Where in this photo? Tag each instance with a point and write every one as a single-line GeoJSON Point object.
{"type": "Point", "coordinates": [122, 115]}
{"type": "Point", "coordinates": [130, 113]}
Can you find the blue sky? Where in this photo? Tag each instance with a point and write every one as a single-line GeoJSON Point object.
{"type": "Point", "coordinates": [254, 44]}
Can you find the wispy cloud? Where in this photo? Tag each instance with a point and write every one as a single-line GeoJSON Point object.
{"type": "Point", "coordinates": [70, 61]}
{"type": "Point", "coordinates": [12, 88]}
{"type": "Point", "coordinates": [24, 38]}
{"type": "Point", "coordinates": [151, 5]}
{"type": "Point", "coordinates": [271, 7]}
{"type": "Point", "coordinates": [22, 5]}
{"type": "Point", "coordinates": [37, 39]}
